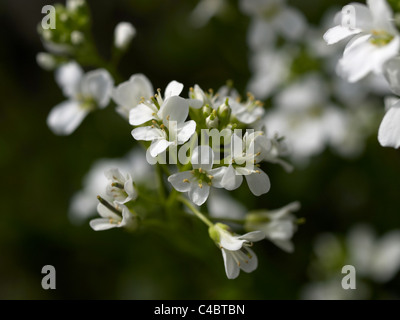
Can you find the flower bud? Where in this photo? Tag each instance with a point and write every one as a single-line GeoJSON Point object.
{"type": "Point", "coordinates": [212, 120]}
{"type": "Point", "coordinates": [46, 61]}
{"type": "Point", "coordinates": [224, 110]}
{"type": "Point", "coordinates": [123, 34]}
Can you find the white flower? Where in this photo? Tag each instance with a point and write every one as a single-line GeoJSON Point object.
{"type": "Point", "coordinates": [85, 92]}
{"type": "Point", "coordinates": [278, 225]}
{"type": "Point", "coordinates": [123, 34]}
{"type": "Point", "coordinates": [270, 69]}
{"type": "Point", "coordinates": [198, 181]}
{"type": "Point", "coordinates": [235, 249]}
{"type": "Point", "coordinates": [376, 42]}
{"type": "Point", "coordinates": [306, 117]}
{"type": "Point", "coordinates": [113, 216]}
{"type": "Point", "coordinates": [378, 259]}
{"type": "Point", "coordinates": [77, 37]}
{"type": "Point", "coordinates": [272, 18]}
{"type": "Point", "coordinates": [244, 155]}
{"type": "Point", "coordinates": [389, 130]}
{"type": "Point", "coordinates": [247, 112]}
{"type": "Point", "coordinates": [84, 203]}
{"type": "Point", "coordinates": [130, 93]}
{"type": "Point", "coordinates": [168, 117]}
{"type": "Point", "coordinates": [121, 188]}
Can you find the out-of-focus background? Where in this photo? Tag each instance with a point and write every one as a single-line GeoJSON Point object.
{"type": "Point", "coordinates": [348, 186]}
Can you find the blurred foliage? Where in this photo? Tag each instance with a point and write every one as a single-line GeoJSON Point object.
{"type": "Point", "coordinates": [40, 171]}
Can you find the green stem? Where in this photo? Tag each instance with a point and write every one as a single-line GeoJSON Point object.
{"type": "Point", "coordinates": [161, 189]}
{"type": "Point", "coordinates": [199, 215]}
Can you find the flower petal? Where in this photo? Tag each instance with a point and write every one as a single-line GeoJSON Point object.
{"type": "Point", "coordinates": [98, 85]}
{"type": "Point", "coordinates": [104, 212]}
{"type": "Point", "coordinates": [174, 88]}
{"type": "Point", "coordinates": [338, 33]}
{"type": "Point", "coordinates": [389, 130]}
{"type": "Point", "coordinates": [230, 180]}
{"type": "Point", "coordinates": [159, 146]}
{"type": "Point", "coordinates": [177, 181]}
{"type": "Point", "coordinates": [251, 264]}
{"type": "Point", "coordinates": [382, 15]}
{"type": "Point", "coordinates": [253, 236]}
{"type": "Point", "coordinates": [147, 133]}
{"type": "Point", "coordinates": [285, 245]}
{"type": "Point", "coordinates": [199, 194]}
{"type": "Point", "coordinates": [258, 182]}
{"type": "Point", "coordinates": [186, 131]}
{"type": "Point", "coordinates": [69, 76]}
{"type": "Point", "coordinates": [129, 94]}
{"type": "Point", "coordinates": [195, 103]}
{"type": "Point", "coordinates": [101, 224]}
{"type": "Point", "coordinates": [174, 109]}
{"type": "Point", "coordinates": [65, 117]}
{"type": "Point", "coordinates": [141, 113]}
{"type": "Point", "coordinates": [218, 174]}
{"type": "Point", "coordinates": [360, 57]}
{"type": "Point", "coordinates": [231, 268]}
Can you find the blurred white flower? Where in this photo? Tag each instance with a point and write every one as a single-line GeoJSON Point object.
{"type": "Point", "coordinates": [130, 93]}
{"type": "Point", "coordinates": [204, 11]}
{"type": "Point", "coordinates": [198, 181]}
{"type": "Point", "coordinates": [235, 249]}
{"type": "Point", "coordinates": [278, 225]}
{"type": "Point", "coordinates": [46, 61]}
{"type": "Point", "coordinates": [389, 130]}
{"type": "Point", "coordinates": [373, 259]}
{"type": "Point", "coordinates": [270, 19]}
{"type": "Point", "coordinates": [270, 69]}
{"type": "Point", "coordinates": [306, 117]}
{"type": "Point", "coordinates": [378, 259]}
{"type": "Point", "coordinates": [85, 93]}
{"type": "Point", "coordinates": [123, 35]}
{"type": "Point", "coordinates": [376, 42]}
{"type": "Point", "coordinates": [73, 5]}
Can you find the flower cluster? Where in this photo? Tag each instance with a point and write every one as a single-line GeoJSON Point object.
{"type": "Point", "coordinates": [374, 48]}
{"type": "Point", "coordinates": [197, 141]}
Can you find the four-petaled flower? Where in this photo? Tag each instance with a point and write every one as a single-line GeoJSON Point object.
{"type": "Point", "coordinates": [130, 93]}
{"type": "Point", "coordinates": [121, 188]}
{"type": "Point", "coordinates": [85, 93]}
{"type": "Point", "coordinates": [244, 157]}
{"type": "Point", "coordinates": [198, 181]}
{"type": "Point", "coordinates": [376, 42]}
{"type": "Point", "coordinates": [278, 225]}
{"type": "Point", "coordinates": [235, 249]}
{"type": "Point", "coordinates": [113, 216]}
{"type": "Point", "coordinates": [168, 120]}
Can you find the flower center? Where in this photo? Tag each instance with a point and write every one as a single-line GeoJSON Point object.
{"type": "Point", "coordinates": [380, 38]}
{"type": "Point", "coordinates": [202, 177]}
{"type": "Point", "coordinates": [86, 103]}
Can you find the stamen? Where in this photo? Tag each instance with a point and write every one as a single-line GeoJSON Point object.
{"type": "Point", "coordinates": [186, 180]}
{"type": "Point", "coordinates": [108, 205]}
{"type": "Point", "coordinates": [117, 185]}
